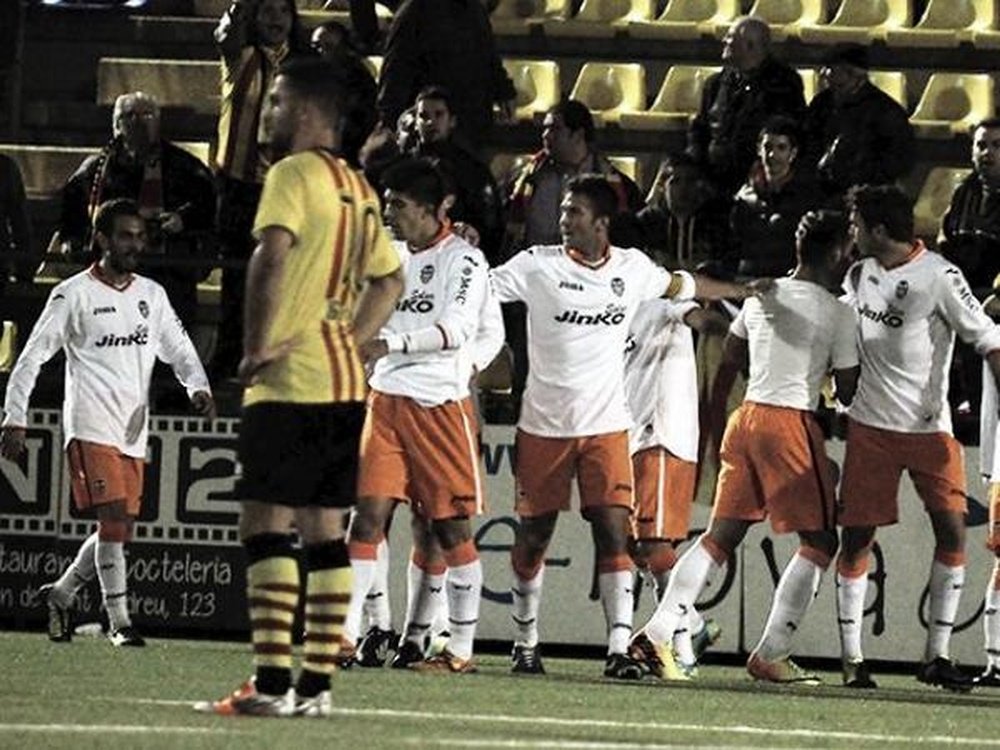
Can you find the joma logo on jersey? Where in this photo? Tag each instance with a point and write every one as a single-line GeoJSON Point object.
{"type": "Point", "coordinates": [571, 285]}
{"type": "Point", "coordinates": [613, 316]}
{"type": "Point", "coordinates": [890, 317]}
{"type": "Point", "coordinates": [139, 338]}
{"type": "Point", "coordinates": [418, 302]}
{"type": "Point", "coordinates": [103, 310]}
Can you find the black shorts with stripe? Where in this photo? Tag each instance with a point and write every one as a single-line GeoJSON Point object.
{"type": "Point", "coordinates": [300, 454]}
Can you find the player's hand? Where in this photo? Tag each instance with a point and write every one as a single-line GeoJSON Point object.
{"type": "Point", "coordinates": [12, 442]}
{"type": "Point", "coordinates": [373, 350]}
{"type": "Point", "coordinates": [467, 232]}
{"type": "Point", "coordinates": [171, 222]}
{"type": "Point", "coordinates": [253, 363]}
{"type": "Point", "coordinates": [203, 404]}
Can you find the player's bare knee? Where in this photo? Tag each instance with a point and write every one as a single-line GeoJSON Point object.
{"type": "Point", "coordinates": [824, 543]}
{"type": "Point", "coordinates": [114, 530]}
{"type": "Point", "coordinates": [451, 532]}
{"type": "Point", "coordinates": [369, 519]}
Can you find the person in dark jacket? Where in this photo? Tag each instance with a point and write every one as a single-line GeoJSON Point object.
{"type": "Point", "coordinates": [753, 86]}
{"type": "Point", "coordinates": [855, 133]}
{"type": "Point", "coordinates": [769, 206]}
{"type": "Point", "coordinates": [447, 43]}
{"type": "Point", "coordinates": [15, 227]}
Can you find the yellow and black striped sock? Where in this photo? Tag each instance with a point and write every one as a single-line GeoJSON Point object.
{"type": "Point", "coordinates": [328, 594]}
{"type": "Point", "coordinates": [272, 598]}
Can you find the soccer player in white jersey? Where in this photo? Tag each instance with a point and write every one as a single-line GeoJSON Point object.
{"type": "Point", "coordinates": [112, 325]}
{"type": "Point", "coordinates": [910, 304]}
{"type": "Point", "coordinates": [661, 382]}
{"type": "Point", "coordinates": [419, 443]}
{"type": "Point", "coordinates": [574, 421]}
{"type": "Point", "coordinates": [773, 463]}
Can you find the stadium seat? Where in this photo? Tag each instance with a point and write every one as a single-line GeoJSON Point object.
{"type": "Point", "coordinates": [935, 197]}
{"type": "Point", "coordinates": [860, 21]}
{"type": "Point", "coordinates": [537, 86]}
{"type": "Point", "coordinates": [677, 101]}
{"type": "Point", "coordinates": [946, 23]}
{"type": "Point", "coordinates": [174, 83]}
{"type": "Point", "coordinates": [787, 17]}
{"type": "Point", "coordinates": [687, 19]}
{"type": "Point", "coordinates": [602, 18]}
{"type": "Point", "coordinates": [629, 165]}
{"type": "Point", "coordinates": [503, 163]}
{"type": "Point", "coordinates": [611, 89]}
{"type": "Point", "coordinates": [374, 65]}
{"type": "Point", "coordinates": [517, 17]}
{"type": "Point", "coordinates": [810, 82]}
{"type": "Point", "coordinates": [952, 103]}
{"type": "Point", "coordinates": [892, 82]}
{"type": "Point", "coordinates": [8, 345]}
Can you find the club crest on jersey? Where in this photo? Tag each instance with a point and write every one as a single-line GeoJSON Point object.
{"type": "Point", "coordinates": [426, 274]}
{"type": "Point", "coordinates": [902, 288]}
{"type": "Point", "coordinates": [618, 286]}
{"type": "Point", "coordinates": [143, 308]}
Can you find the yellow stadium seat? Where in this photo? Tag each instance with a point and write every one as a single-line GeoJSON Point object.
{"type": "Point", "coordinates": [8, 345]}
{"type": "Point", "coordinates": [892, 82]}
{"type": "Point", "coordinates": [687, 19]}
{"type": "Point", "coordinates": [173, 83]}
{"type": "Point", "coordinates": [677, 101]}
{"type": "Point", "coordinates": [374, 65]}
{"type": "Point", "coordinates": [611, 89]}
{"type": "Point", "coordinates": [810, 82]}
{"type": "Point", "coordinates": [537, 86]}
{"type": "Point", "coordinates": [629, 165]}
{"type": "Point", "coordinates": [860, 21]}
{"type": "Point", "coordinates": [602, 18]}
{"type": "Point", "coordinates": [935, 197]}
{"type": "Point", "coordinates": [787, 17]}
{"type": "Point", "coordinates": [946, 23]}
{"type": "Point", "coordinates": [952, 103]}
{"type": "Point", "coordinates": [514, 17]}
{"type": "Point", "coordinates": [504, 162]}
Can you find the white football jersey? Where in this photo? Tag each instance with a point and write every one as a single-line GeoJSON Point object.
{"type": "Point", "coordinates": [989, 461]}
{"type": "Point", "coordinates": [661, 379]}
{"type": "Point", "coordinates": [796, 334]}
{"type": "Point", "coordinates": [111, 338]}
{"type": "Point", "coordinates": [908, 316]}
{"type": "Point", "coordinates": [447, 289]}
{"type": "Point", "coordinates": [578, 319]}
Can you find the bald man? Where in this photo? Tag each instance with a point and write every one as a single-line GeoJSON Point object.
{"type": "Point", "coordinates": [752, 86]}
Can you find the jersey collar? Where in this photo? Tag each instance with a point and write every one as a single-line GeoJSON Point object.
{"type": "Point", "coordinates": [916, 250]}
{"type": "Point", "coordinates": [577, 257]}
{"type": "Point", "coordinates": [440, 237]}
{"type": "Point", "coordinates": [95, 271]}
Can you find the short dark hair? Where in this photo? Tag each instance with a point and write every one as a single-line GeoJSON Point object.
{"type": "Point", "coordinates": [438, 93]}
{"type": "Point", "coordinates": [782, 125]}
{"type": "Point", "coordinates": [575, 116]}
{"type": "Point", "coordinates": [989, 123]}
{"type": "Point", "coordinates": [884, 205]}
{"type": "Point", "coordinates": [418, 179]}
{"type": "Point", "coordinates": [598, 191]}
{"type": "Point", "coordinates": [317, 81]}
{"type": "Point", "coordinates": [109, 211]}
{"type": "Point", "coordinates": [818, 232]}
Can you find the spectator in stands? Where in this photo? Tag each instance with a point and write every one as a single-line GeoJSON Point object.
{"type": "Point", "coordinates": [752, 86]}
{"type": "Point", "coordinates": [334, 44]}
{"type": "Point", "coordinates": [970, 238]}
{"type": "Point", "coordinates": [448, 43]}
{"type": "Point", "coordinates": [684, 222]}
{"type": "Point", "coordinates": [15, 227]}
{"type": "Point", "coordinates": [253, 37]}
{"type": "Point", "coordinates": [854, 132]}
{"type": "Point", "coordinates": [477, 199]}
{"type": "Point", "coordinates": [769, 206]}
{"type": "Point", "coordinates": [173, 189]}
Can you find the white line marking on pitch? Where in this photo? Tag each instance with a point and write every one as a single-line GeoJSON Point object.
{"type": "Point", "coordinates": [112, 729]}
{"type": "Point", "coordinates": [567, 744]}
{"type": "Point", "coordinates": [611, 724]}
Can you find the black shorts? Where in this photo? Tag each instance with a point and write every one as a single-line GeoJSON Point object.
{"type": "Point", "coordinates": [300, 454]}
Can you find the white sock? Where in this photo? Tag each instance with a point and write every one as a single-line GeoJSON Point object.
{"type": "Point", "coordinates": [686, 582]}
{"type": "Point", "coordinates": [682, 641]}
{"type": "Point", "coordinates": [945, 592]}
{"type": "Point", "coordinates": [696, 623]}
{"type": "Point", "coordinates": [850, 613]}
{"type": "Point", "coordinates": [110, 559]}
{"type": "Point", "coordinates": [991, 619]}
{"type": "Point", "coordinates": [795, 592]}
{"type": "Point", "coordinates": [423, 594]}
{"type": "Point", "coordinates": [376, 605]}
{"type": "Point", "coordinates": [439, 618]}
{"type": "Point", "coordinates": [363, 571]}
{"type": "Point", "coordinates": [527, 595]}
{"type": "Point", "coordinates": [465, 585]}
{"type": "Point", "coordinates": [79, 573]}
{"type": "Point", "coordinates": [616, 598]}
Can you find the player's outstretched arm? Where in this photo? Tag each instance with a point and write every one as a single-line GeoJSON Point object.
{"type": "Point", "coordinates": [735, 358]}
{"type": "Point", "coordinates": [707, 288]}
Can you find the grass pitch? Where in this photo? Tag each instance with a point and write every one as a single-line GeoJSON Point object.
{"type": "Point", "coordinates": [89, 695]}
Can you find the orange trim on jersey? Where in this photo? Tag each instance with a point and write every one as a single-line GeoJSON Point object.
{"type": "Point", "coordinates": [95, 272]}
{"type": "Point", "coordinates": [444, 231]}
{"type": "Point", "coordinates": [916, 251]}
{"type": "Point", "coordinates": [577, 257]}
